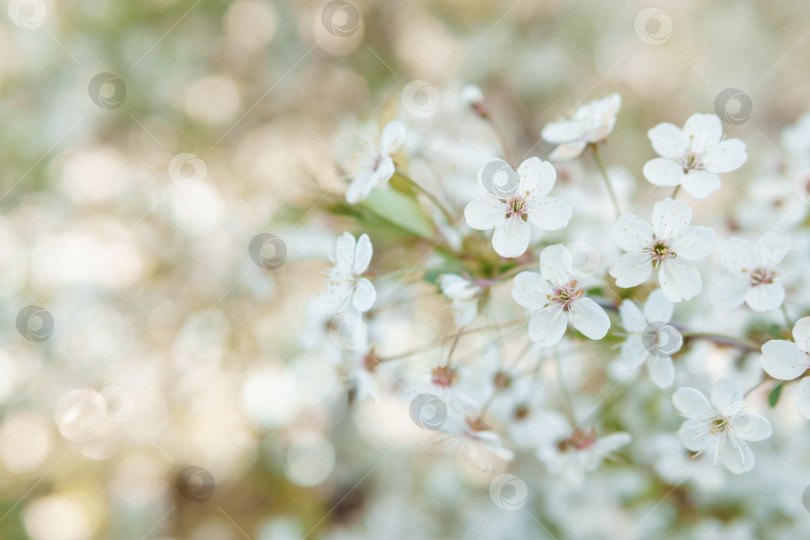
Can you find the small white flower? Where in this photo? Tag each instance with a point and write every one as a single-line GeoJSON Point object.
{"type": "Point", "coordinates": [796, 140]}
{"type": "Point", "coordinates": [645, 332]}
{"type": "Point", "coordinates": [470, 438]}
{"type": "Point", "coordinates": [473, 98]}
{"type": "Point", "coordinates": [590, 123]}
{"type": "Point", "coordinates": [463, 295]}
{"type": "Point", "coordinates": [513, 201]}
{"type": "Point", "coordinates": [578, 451]}
{"type": "Point", "coordinates": [669, 245]}
{"type": "Point", "coordinates": [693, 156]}
{"type": "Point", "coordinates": [346, 286]}
{"type": "Point", "coordinates": [754, 278]}
{"type": "Point", "coordinates": [373, 166]}
{"type": "Point", "coordinates": [787, 360]}
{"type": "Point", "coordinates": [556, 300]}
{"type": "Point", "coordinates": [722, 426]}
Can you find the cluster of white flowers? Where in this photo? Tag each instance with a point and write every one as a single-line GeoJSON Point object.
{"type": "Point", "coordinates": [500, 402]}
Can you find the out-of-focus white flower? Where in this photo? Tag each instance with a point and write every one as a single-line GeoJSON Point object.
{"type": "Point", "coordinates": [373, 166]}
{"type": "Point", "coordinates": [796, 140]}
{"type": "Point", "coordinates": [463, 295]}
{"type": "Point", "coordinates": [473, 440]}
{"type": "Point", "coordinates": [590, 123]}
{"type": "Point", "coordinates": [722, 426]}
{"type": "Point", "coordinates": [645, 330]}
{"type": "Point", "coordinates": [556, 300]}
{"type": "Point", "coordinates": [786, 360]}
{"type": "Point", "coordinates": [473, 98]}
{"type": "Point", "coordinates": [754, 278]}
{"type": "Point", "coordinates": [693, 156]}
{"type": "Point", "coordinates": [357, 369]}
{"type": "Point", "coordinates": [346, 286]}
{"type": "Point", "coordinates": [513, 201]}
{"type": "Point", "coordinates": [577, 452]}
{"type": "Point", "coordinates": [669, 244]}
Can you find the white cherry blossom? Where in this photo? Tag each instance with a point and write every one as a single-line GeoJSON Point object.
{"type": "Point", "coordinates": [346, 286]}
{"type": "Point", "coordinates": [463, 295]}
{"type": "Point", "coordinates": [590, 123]}
{"type": "Point", "coordinates": [373, 166]}
{"type": "Point", "coordinates": [515, 200]}
{"type": "Point", "coordinates": [788, 360]}
{"type": "Point", "coordinates": [556, 299]}
{"type": "Point", "coordinates": [669, 245]}
{"type": "Point", "coordinates": [720, 425]}
{"type": "Point", "coordinates": [693, 156]}
{"type": "Point", "coordinates": [650, 338]}
{"type": "Point", "coordinates": [576, 452]}
{"type": "Point", "coordinates": [754, 278]}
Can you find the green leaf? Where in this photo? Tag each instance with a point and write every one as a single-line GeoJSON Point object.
{"type": "Point", "coordinates": [773, 397]}
{"type": "Point", "coordinates": [403, 211]}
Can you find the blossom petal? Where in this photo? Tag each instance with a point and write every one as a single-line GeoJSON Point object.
{"type": "Point", "coordinates": [765, 297]}
{"type": "Point", "coordinates": [362, 254]}
{"type": "Point", "coordinates": [736, 255]}
{"type": "Point", "coordinates": [705, 130]}
{"type": "Point", "coordinates": [631, 269]}
{"type": "Point", "coordinates": [555, 264]}
{"type": "Point", "coordinates": [736, 455]}
{"type": "Point", "coordinates": [536, 176]}
{"type": "Point", "coordinates": [803, 397]}
{"type": "Point", "coordinates": [679, 280]}
{"type": "Point", "coordinates": [567, 151]}
{"type": "Point", "coordinates": [692, 404]}
{"type": "Point", "coordinates": [589, 318]}
{"type": "Point", "coordinates": [511, 238]}
{"type": "Point", "coordinates": [360, 187]}
{"type": "Point", "coordinates": [485, 213]}
{"type": "Point", "coordinates": [631, 233]}
{"type": "Point", "coordinates": [668, 140]}
{"type": "Point", "coordinates": [726, 156]}
{"type": "Point", "coordinates": [393, 135]}
{"type": "Point", "coordinates": [726, 396]}
{"type": "Point", "coordinates": [343, 256]}
{"type": "Point", "coordinates": [633, 352]}
{"type": "Point", "coordinates": [700, 183]}
{"type": "Point", "coordinates": [549, 214]}
{"type": "Point", "coordinates": [669, 217]}
{"type": "Point", "coordinates": [531, 290]}
{"type": "Point", "coordinates": [801, 333]}
{"type": "Point", "coordinates": [564, 131]}
{"type": "Point", "coordinates": [658, 308]}
{"type": "Point", "coordinates": [633, 319]}
{"type": "Point", "coordinates": [772, 248]}
{"type": "Point", "coordinates": [364, 295]}
{"type": "Point", "coordinates": [662, 372]}
{"type": "Point", "coordinates": [547, 326]}
{"type": "Point", "coordinates": [663, 172]}
{"type": "Point", "coordinates": [729, 292]}
{"type": "Point", "coordinates": [695, 434]}
{"type": "Point", "coordinates": [694, 242]}
{"type": "Point", "coordinates": [750, 426]}
{"type": "Point", "coordinates": [783, 359]}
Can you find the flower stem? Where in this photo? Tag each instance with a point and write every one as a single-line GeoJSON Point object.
{"type": "Point", "coordinates": [788, 321]}
{"type": "Point", "coordinates": [600, 164]}
{"type": "Point", "coordinates": [447, 215]}
{"type": "Point", "coordinates": [675, 192]}
{"type": "Point", "coordinates": [507, 151]}
{"type": "Point", "coordinates": [453, 347]}
{"type": "Point", "coordinates": [564, 391]}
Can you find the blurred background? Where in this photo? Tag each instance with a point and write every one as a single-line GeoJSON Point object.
{"type": "Point", "coordinates": [157, 383]}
